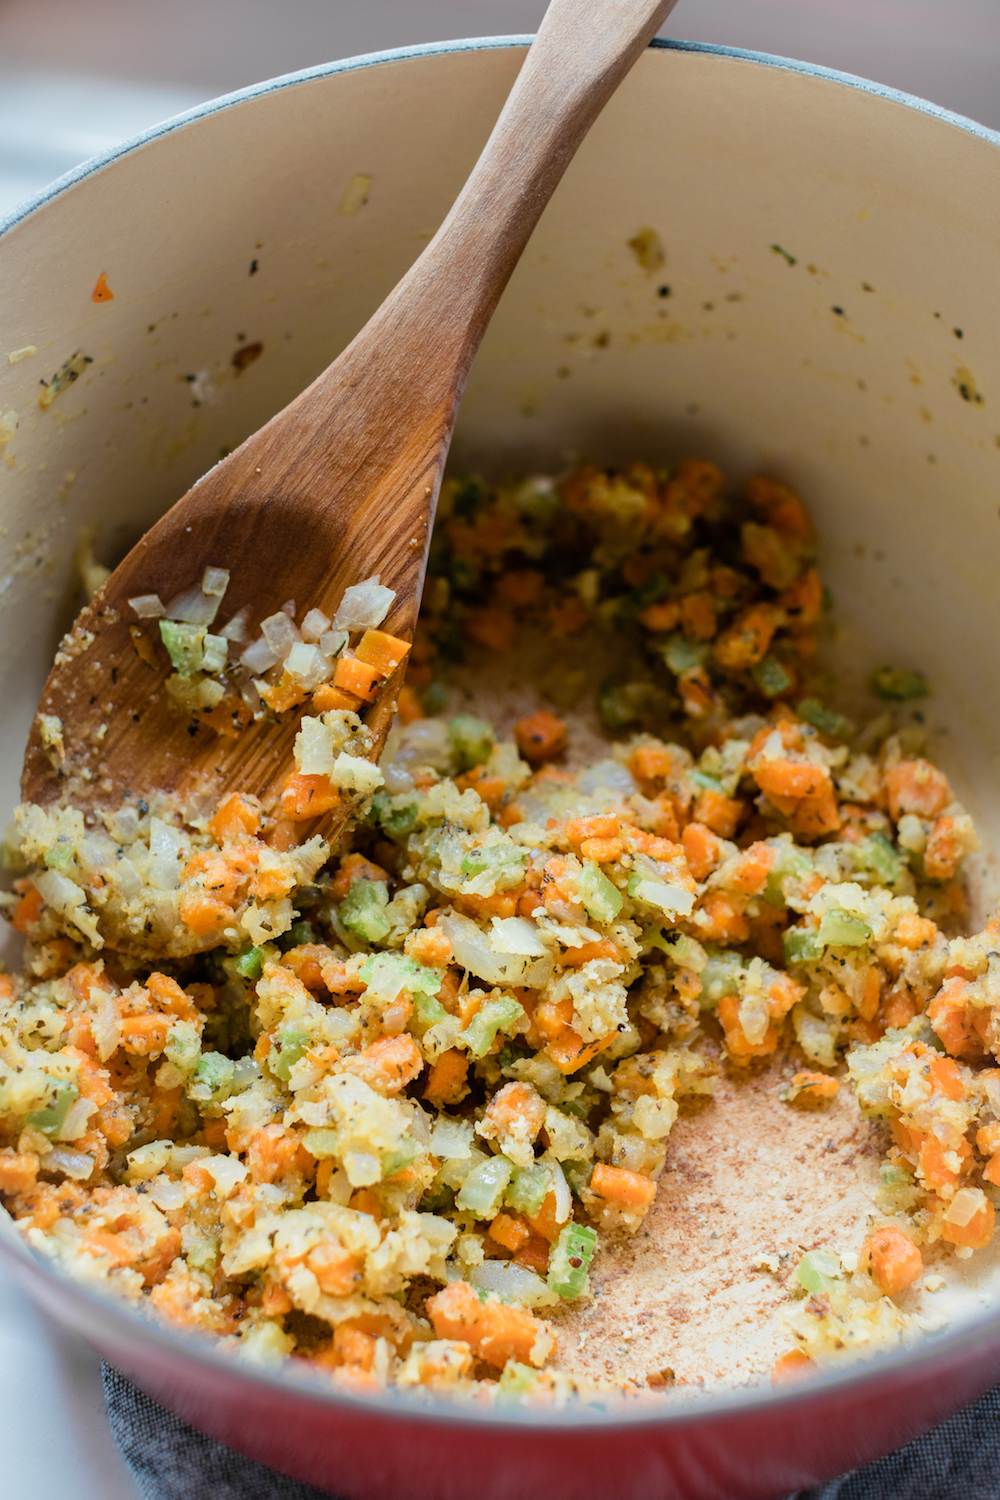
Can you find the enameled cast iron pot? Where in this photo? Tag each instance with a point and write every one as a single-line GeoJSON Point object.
{"type": "Point", "coordinates": [827, 310]}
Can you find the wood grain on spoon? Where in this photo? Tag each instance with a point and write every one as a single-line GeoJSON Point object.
{"type": "Point", "coordinates": [343, 482]}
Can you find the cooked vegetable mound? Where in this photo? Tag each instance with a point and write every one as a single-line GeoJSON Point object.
{"type": "Point", "coordinates": [377, 1109]}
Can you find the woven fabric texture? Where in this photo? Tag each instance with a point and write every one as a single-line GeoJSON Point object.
{"type": "Point", "coordinates": [960, 1460]}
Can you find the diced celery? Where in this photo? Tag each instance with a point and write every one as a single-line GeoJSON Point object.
{"type": "Point", "coordinates": [322, 1142]}
{"type": "Point", "coordinates": [395, 1161]}
{"type": "Point", "coordinates": [248, 963]}
{"type": "Point", "coordinates": [482, 1191]}
{"type": "Point", "coordinates": [495, 1015]}
{"type": "Point", "coordinates": [60, 856]}
{"type": "Point", "coordinates": [802, 945]}
{"type": "Point", "coordinates": [569, 1260]}
{"type": "Point", "coordinates": [213, 1078]}
{"type": "Point", "coordinates": [898, 685]}
{"type": "Point", "coordinates": [388, 973]}
{"type": "Point", "coordinates": [818, 1270]}
{"type": "Point", "coordinates": [51, 1118]}
{"type": "Point", "coordinates": [602, 899]}
{"type": "Point", "coordinates": [891, 1176]}
{"type": "Point", "coordinates": [428, 1011]}
{"type": "Point", "coordinates": [183, 1046]}
{"type": "Point", "coordinates": [396, 821]}
{"type": "Point", "coordinates": [517, 1379]}
{"type": "Point", "coordinates": [788, 862]}
{"type": "Point", "coordinates": [204, 1253]}
{"type": "Point", "coordinates": [719, 977]}
{"type": "Point", "coordinates": [362, 910]}
{"type": "Point", "coordinates": [771, 677]}
{"type": "Point", "coordinates": [291, 1043]}
{"type": "Point", "coordinates": [299, 933]}
{"type": "Point", "coordinates": [842, 929]}
{"type": "Point", "coordinates": [875, 853]}
{"type": "Point", "coordinates": [528, 1189]}
{"type": "Point", "coordinates": [185, 646]}
{"type": "Point", "coordinates": [686, 952]}
{"type": "Point", "coordinates": [829, 723]}
{"type": "Point", "coordinates": [704, 780]}
{"type": "Point", "coordinates": [578, 1173]}
{"type": "Point", "coordinates": [214, 653]}
{"type": "Point", "coordinates": [472, 740]}
{"type": "Point", "coordinates": [493, 857]}
{"type": "Point", "coordinates": [680, 654]}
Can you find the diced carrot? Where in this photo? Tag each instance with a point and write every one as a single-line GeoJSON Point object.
{"type": "Point", "coordinates": [791, 1366]}
{"type": "Point", "coordinates": [144, 1036]}
{"type": "Point", "coordinates": [327, 698]}
{"type": "Point", "coordinates": [446, 1080]}
{"type": "Point", "coordinates": [781, 506]}
{"type": "Point", "coordinates": [892, 1258]}
{"type": "Point", "coordinates": [697, 693]}
{"type": "Point", "coordinates": [494, 629]}
{"type": "Point", "coordinates": [284, 694]}
{"type": "Point", "coordinates": [936, 1171]}
{"type": "Point", "coordinates": [489, 789]}
{"type": "Point", "coordinates": [18, 1170]}
{"type": "Point", "coordinates": [816, 816]}
{"type": "Point", "coordinates": [568, 616]}
{"type": "Point", "coordinates": [698, 618]}
{"type": "Point", "coordinates": [408, 705]}
{"type": "Point", "coordinates": [915, 786]}
{"type": "Point", "coordinates": [753, 868]}
{"type": "Point", "coordinates": [718, 812]}
{"type": "Point", "coordinates": [809, 1087]}
{"type": "Point", "coordinates": [275, 1301]}
{"type": "Point", "coordinates": [534, 1255]}
{"type": "Point", "coordinates": [493, 1330]}
{"type": "Point", "coordinates": [305, 797]}
{"type": "Point", "coordinates": [789, 778]}
{"type": "Point", "coordinates": [540, 737]}
{"type": "Point", "coordinates": [274, 1152]}
{"type": "Point", "coordinates": [170, 997]}
{"type": "Point", "coordinates": [355, 867]}
{"type": "Point", "coordinates": [204, 914]}
{"type": "Point", "coordinates": [335, 1268]}
{"type": "Point", "coordinates": [737, 1042]}
{"type": "Point", "coordinates": [199, 1178]}
{"type": "Point", "coordinates": [622, 1188]}
{"type": "Point", "coordinates": [804, 600]}
{"type": "Point", "coordinates": [974, 1231]}
{"type": "Point", "coordinates": [237, 817]}
{"type": "Point", "coordinates": [702, 849]}
{"type": "Point", "coordinates": [946, 1013]}
{"type": "Point", "coordinates": [364, 1201]}
{"type": "Point", "coordinates": [651, 763]}
{"type": "Point", "coordinates": [586, 953]}
{"type": "Point", "coordinates": [389, 1064]}
{"type": "Point", "coordinates": [381, 651]}
{"type": "Point", "coordinates": [522, 587]}
{"type": "Point", "coordinates": [745, 642]}
{"type": "Point", "coordinates": [352, 675]}
{"type": "Point", "coordinates": [570, 1052]}
{"type": "Point", "coordinates": [945, 1076]}
{"type": "Point", "coordinates": [663, 616]}
{"type": "Point", "coordinates": [353, 1347]}
{"type": "Point", "coordinates": [722, 919]}
{"type": "Point", "coordinates": [306, 963]}
{"type": "Point", "coordinates": [510, 1231]}
{"type": "Point", "coordinates": [772, 556]}
{"type": "Point", "coordinates": [214, 1132]}
{"type": "Point", "coordinates": [28, 909]}
{"type": "Point", "coordinates": [915, 932]}
{"type": "Point", "coordinates": [597, 826]}
{"type": "Point", "coordinates": [991, 1171]}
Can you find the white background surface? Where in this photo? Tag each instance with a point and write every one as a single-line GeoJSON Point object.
{"type": "Point", "coordinates": [78, 75]}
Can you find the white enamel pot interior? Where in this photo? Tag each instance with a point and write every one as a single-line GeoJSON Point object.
{"type": "Point", "coordinates": [827, 311]}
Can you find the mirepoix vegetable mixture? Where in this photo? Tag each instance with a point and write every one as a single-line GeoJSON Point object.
{"type": "Point", "coordinates": [377, 1109]}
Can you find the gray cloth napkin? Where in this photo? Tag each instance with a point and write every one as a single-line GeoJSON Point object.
{"type": "Point", "coordinates": [960, 1460]}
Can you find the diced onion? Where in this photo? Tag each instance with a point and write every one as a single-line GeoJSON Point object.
{"type": "Point", "coordinates": [517, 935]}
{"type": "Point", "coordinates": [610, 774]}
{"type": "Point", "coordinates": [511, 1283]}
{"type": "Point", "coordinates": [308, 665]}
{"type": "Point", "coordinates": [167, 1194]}
{"type": "Point", "coordinates": [364, 605]}
{"type": "Point", "coordinates": [315, 625]}
{"type": "Point", "coordinates": [215, 581]}
{"type": "Point", "coordinates": [314, 748]}
{"type": "Point", "coordinates": [148, 606]}
{"type": "Point", "coordinates": [332, 642]}
{"type": "Point", "coordinates": [563, 1196]}
{"type": "Point", "coordinates": [214, 653]}
{"type": "Point", "coordinates": [193, 606]}
{"type": "Point", "coordinates": [281, 634]}
{"type": "Point", "coordinates": [76, 1164]}
{"type": "Point", "coordinates": [236, 628]}
{"type": "Point", "coordinates": [258, 656]}
{"type": "Point", "coordinates": [472, 950]}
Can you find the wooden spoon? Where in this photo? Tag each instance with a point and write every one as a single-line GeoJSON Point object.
{"type": "Point", "coordinates": [343, 482]}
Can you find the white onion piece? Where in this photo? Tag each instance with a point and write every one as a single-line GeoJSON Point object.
{"type": "Point", "coordinates": [281, 633]}
{"type": "Point", "coordinates": [313, 748]}
{"type": "Point", "coordinates": [511, 1283]}
{"type": "Point", "coordinates": [363, 606]}
{"type": "Point", "coordinates": [76, 1164]}
{"type": "Point", "coordinates": [166, 1193]}
{"type": "Point", "coordinates": [147, 606]}
{"type": "Point", "coordinates": [308, 665]}
{"type": "Point", "coordinates": [236, 629]}
{"type": "Point", "coordinates": [610, 774]}
{"type": "Point", "coordinates": [472, 951]}
{"type": "Point", "coordinates": [258, 656]}
{"type": "Point", "coordinates": [315, 625]}
{"type": "Point", "coordinates": [215, 581]}
{"type": "Point", "coordinates": [288, 608]}
{"type": "Point", "coordinates": [561, 1193]}
{"type": "Point", "coordinates": [517, 935]}
{"type": "Point", "coordinates": [332, 642]}
{"type": "Point", "coordinates": [193, 606]}
{"type": "Point", "coordinates": [214, 653]}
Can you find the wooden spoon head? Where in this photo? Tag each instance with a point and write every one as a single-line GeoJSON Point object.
{"type": "Point", "coordinates": [283, 516]}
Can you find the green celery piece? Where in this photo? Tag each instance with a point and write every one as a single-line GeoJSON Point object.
{"type": "Point", "coordinates": [469, 494]}
{"type": "Point", "coordinates": [248, 963]}
{"type": "Point", "coordinates": [204, 1254]}
{"type": "Point", "coordinates": [395, 822]}
{"type": "Point", "coordinates": [213, 1078]}
{"type": "Point", "coordinates": [293, 1043]}
{"type": "Point", "coordinates": [472, 740]}
{"type": "Point", "coordinates": [184, 645]}
{"type": "Point", "coordinates": [704, 780]}
{"type": "Point", "coordinates": [788, 861]}
{"type": "Point", "coordinates": [875, 853]}
{"type": "Point", "coordinates": [719, 977]}
{"type": "Point", "coordinates": [183, 1046]}
{"type": "Point", "coordinates": [428, 1011]}
{"type": "Point", "coordinates": [771, 677]}
{"type": "Point", "coordinates": [299, 933]}
{"type": "Point", "coordinates": [578, 1175]}
{"type": "Point", "coordinates": [602, 899]}
{"type": "Point", "coordinates": [493, 857]}
{"type": "Point", "coordinates": [818, 1270]}
{"type": "Point", "coordinates": [395, 1161]}
{"type": "Point", "coordinates": [362, 910]}
{"type": "Point", "coordinates": [529, 1187]}
{"type": "Point", "coordinates": [60, 856]}
{"type": "Point", "coordinates": [51, 1118]}
{"type": "Point", "coordinates": [891, 1176]}
{"type": "Point", "coordinates": [517, 1379]}
{"type": "Point", "coordinates": [569, 1260]}
{"type": "Point", "coordinates": [495, 1015]}
{"type": "Point", "coordinates": [832, 725]}
{"type": "Point", "coordinates": [482, 1191]}
{"type": "Point", "coordinates": [842, 929]}
{"type": "Point", "coordinates": [674, 943]}
{"type": "Point", "coordinates": [680, 655]}
{"type": "Point", "coordinates": [898, 685]}
{"type": "Point", "coordinates": [802, 945]}
{"type": "Point", "coordinates": [322, 1142]}
{"type": "Point", "coordinates": [415, 977]}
